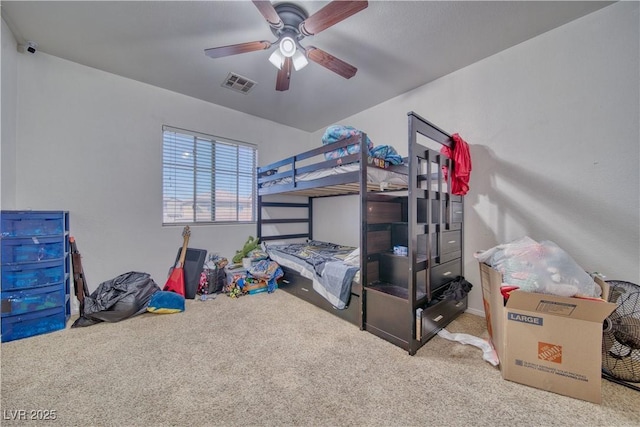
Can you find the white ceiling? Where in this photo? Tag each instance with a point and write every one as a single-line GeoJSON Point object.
{"type": "Point", "coordinates": [396, 46]}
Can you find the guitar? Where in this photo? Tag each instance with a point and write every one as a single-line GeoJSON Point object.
{"type": "Point", "coordinates": [79, 280]}
{"type": "Point", "coordinates": [175, 282]}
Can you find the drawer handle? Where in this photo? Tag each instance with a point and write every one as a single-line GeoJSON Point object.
{"type": "Point", "coordinates": [437, 319]}
{"type": "Point", "coordinates": [304, 289]}
{"type": "Point", "coordinates": [460, 304]}
{"type": "Point", "coordinates": [451, 241]}
{"type": "Point", "coordinates": [285, 281]}
{"type": "Point", "coordinates": [458, 212]}
{"type": "Point", "coordinates": [447, 273]}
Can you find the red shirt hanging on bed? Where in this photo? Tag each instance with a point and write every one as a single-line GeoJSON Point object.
{"type": "Point", "coordinates": [462, 160]}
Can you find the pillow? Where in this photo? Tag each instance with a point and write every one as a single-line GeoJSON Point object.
{"type": "Point", "coordinates": [353, 258]}
{"type": "Point", "coordinates": [166, 302]}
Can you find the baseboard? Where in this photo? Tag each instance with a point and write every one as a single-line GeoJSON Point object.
{"type": "Point", "coordinates": [474, 311]}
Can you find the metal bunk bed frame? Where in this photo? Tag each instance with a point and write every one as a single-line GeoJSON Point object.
{"type": "Point", "coordinates": [410, 320]}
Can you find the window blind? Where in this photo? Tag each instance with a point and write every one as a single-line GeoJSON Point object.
{"type": "Point", "coordinates": [206, 179]}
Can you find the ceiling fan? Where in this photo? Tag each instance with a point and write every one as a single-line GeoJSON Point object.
{"type": "Point", "coordinates": [291, 23]}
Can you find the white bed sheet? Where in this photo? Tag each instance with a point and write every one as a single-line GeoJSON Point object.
{"type": "Point", "coordinates": [374, 175]}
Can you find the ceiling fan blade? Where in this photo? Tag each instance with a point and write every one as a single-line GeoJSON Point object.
{"type": "Point", "coordinates": [234, 49]}
{"type": "Point", "coordinates": [284, 76]}
{"type": "Point", "coordinates": [331, 14]}
{"type": "Point", "coordinates": [330, 62]}
{"type": "Point", "coordinates": [269, 12]}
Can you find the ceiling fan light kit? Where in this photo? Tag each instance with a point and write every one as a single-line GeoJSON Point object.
{"type": "Point", "coordinates": [277, 59]}
{"type": "Point", "coordinates": [291, 24]}
{"type": "Point", "coordinates": [287, 49]}
{"type": "Point", "coordinates": [287, 46]}
{"type": "Point", "coordinates": [299, 61]}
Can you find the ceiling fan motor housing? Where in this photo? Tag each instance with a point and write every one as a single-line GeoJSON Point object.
{"type": "Point", "coordinates": [292, 16]}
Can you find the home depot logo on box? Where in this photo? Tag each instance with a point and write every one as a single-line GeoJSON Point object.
{"type": "Point", "coordinates": [549, 352]}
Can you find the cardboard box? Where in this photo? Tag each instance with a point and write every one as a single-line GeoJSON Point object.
{"type": "Point", "coordinates": [546, 341]}
{"type": "Point", "coordinates": [257, 287]}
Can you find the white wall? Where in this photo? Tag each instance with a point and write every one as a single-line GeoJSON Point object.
{"type": "Point", "coordinates": [553, 125]}
{"type": "Point", "coordinates": [9, 93]}
{"type": "Point", "coordinates": [91, 142]}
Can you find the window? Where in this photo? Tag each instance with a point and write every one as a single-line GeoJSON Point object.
{"type": "Point", "coordinates": [206, 179]}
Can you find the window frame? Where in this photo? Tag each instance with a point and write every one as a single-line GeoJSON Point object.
{"type": "Point", "coordinates": [168, 165]}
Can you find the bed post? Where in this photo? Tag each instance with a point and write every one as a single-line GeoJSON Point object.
{"type": "Point", "coordinates": [364, 253]}
{"type": "Point", "coordinates": [412, 220]}
{"type": "Point", "coordinates": [310, 215]}
{"type": "Point", "coordinates": [259, 219]}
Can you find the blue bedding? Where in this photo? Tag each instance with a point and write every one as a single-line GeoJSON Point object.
{"type": "Point", "coordinates": [337, 133]}
{"type": "Point", "coordinates": [325, 260]}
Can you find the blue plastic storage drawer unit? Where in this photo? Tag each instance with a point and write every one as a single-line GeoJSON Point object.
{"type": "Point", "coordinates": [32, 249]}
{"type": "Point", "coordinates": [36, 323]}
{"type": "Point", "coordinates": [35, 291]}
{"type": "Point", "coordinates": [32, 275]}
{"type": "Point", "coordinates": [32, 300]}
{"type": "Point", "coordinates": [33, 223]}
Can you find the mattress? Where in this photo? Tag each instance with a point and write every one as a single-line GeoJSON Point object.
{"type": "Point", "coordinates": [330, 267]}
{"type": "Point", "coordinates": [375, 175]}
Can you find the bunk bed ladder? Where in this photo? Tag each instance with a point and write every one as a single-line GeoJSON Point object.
{"type": "Point", "coordinates": [417, 154]}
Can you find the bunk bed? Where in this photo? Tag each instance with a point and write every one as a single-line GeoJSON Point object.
{"type": "Point", "coordinates": [410, 242]}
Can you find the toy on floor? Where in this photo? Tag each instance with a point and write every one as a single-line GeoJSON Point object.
{"type": "Point", "coordinates": [261, 277]}
{"type": "Point", "coordinates": [251, 244]}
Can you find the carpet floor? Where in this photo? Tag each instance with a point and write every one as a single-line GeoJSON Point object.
{"type": "Point", "coordinates": [272, 359]}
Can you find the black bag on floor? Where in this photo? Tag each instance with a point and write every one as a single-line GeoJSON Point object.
{"type": "Point", "coordinates": [457, 290]}
{"type": "Point", "coordinates": [216, 279]}
{"type": "Point", "coordinates": [117, 299]}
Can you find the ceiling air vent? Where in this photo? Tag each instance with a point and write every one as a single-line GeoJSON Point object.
{"type": "Point", "coordinates": [238, 83]}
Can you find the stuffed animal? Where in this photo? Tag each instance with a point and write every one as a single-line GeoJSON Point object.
{"type": "Point", "coordinates": [251, 244]}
